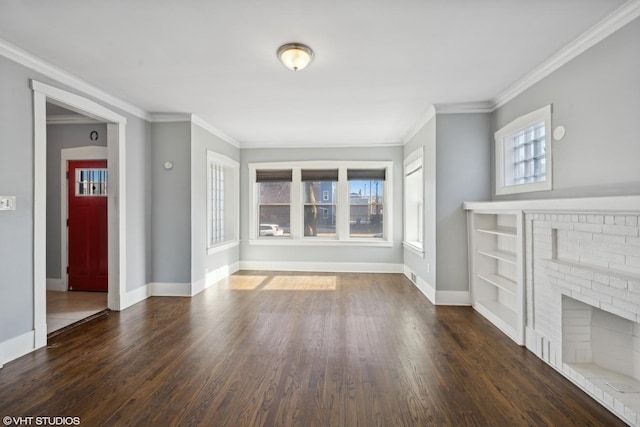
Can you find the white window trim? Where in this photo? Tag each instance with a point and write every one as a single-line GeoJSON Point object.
{"type": "Point", "coordinates": [233, 199]}
{"type": "Point", "coordinates": [342, 205]}
{"type": "Point", "coordinates": [414, 160]}
{"type": "Point", "coordinates": [523, 122]}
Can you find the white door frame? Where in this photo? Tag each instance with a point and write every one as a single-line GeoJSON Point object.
{"type": "Point", "coordinates": [66, 155]}
{"type": "Point", "coordinates": [116, 208]}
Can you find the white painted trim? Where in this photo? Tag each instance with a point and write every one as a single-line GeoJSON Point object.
{"type": "Point", "coordinates": [331, 267]}
{"type": "Point", "coordinates": [135, 296]}
{"type": "Point", "coordinates": [217, 132]}
{"type": "Point", "coordinates": [420, 123]}
{"type": "Point", "coordinates": [342, 220]}
{"type": "Point", "coordinates": [518, 125]}
{"type": "Point", "coordinates": [223, 246]}
{"type": "Point", "coordinates": [465, 108]}
{"type": "Point", "coordinates": [319, 241]}
{"type": "Point", "coordinates": [66, 154]}
{"type": "Point", "coordinates": [56, 285]}
{"type": "Point", "coordinates": [169, 117]}
{"type": "Point", "coordinates": [327, 144]}
{"type": "Point", "coordinates": [214, 276]}
{"type": "Point", "coordinates": [422, 285]}
{"type": "Point", "coordinates": [603, 29]}
{"type": "Point", "coordinates": [39, 219]}
{"type": "Point", "coordinates": [70, 120]}
{"type": "Point", "coordinates": [586, 204]}
{"type": "Point", "coordinates": [410, 246]}
{"type": "Point", "coordinates": [116, 157]}
{"type": "Point", "coordinates": [453, 298]}
{"type": "Point", "coordinates": [22, 57]}
{"type": "Point", "coordinates": [231, 200]}
{"type": "Point", "coordinates": [16, 347]}
{"type": "Point", "coordinates": [165, 289]}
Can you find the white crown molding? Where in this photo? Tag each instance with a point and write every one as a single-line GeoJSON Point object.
{"type": "Point", "coordinates": [465, 108]}
{"type": "Point", "coordinates": [616, 20]}
{"type": "Point", "coordinates": [71, 120]}
{"type": "Point", "coordinates": [169, 117]}
{"type": "Point", "coordinates": [217, 132]}
{"type": "Point", "coordinates": [29, 60]}
{"type": "Point", "coordinates": [350, 144]}
{"type": "Point", "coordinates": [423, 120]}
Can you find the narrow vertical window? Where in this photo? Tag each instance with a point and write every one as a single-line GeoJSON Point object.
{"type": "Point", "coordinates": [366, 202]}
{"type": "Point", "coordinates": [414, 201]}
{"type": "Point", "coordinates": [222, 200]}
{"type": "Point", "coordinates": [320, 212]}
{"type": "Point", "coordinates": [274, 202]}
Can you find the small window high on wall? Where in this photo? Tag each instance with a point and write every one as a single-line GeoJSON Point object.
{"type": "Point", "coordinates": [523, 154]}
{"type": "Point", "coordinates": [222, 202]}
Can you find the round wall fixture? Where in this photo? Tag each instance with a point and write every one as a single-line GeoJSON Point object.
{"type": "Point", "coordinates": [168, 165]}
{"type": "Point", "coordinates": [558, 133]}
{"type": "Point", "coordinates": [93, 135]}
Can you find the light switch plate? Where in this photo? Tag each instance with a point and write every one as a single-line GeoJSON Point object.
{"type": "Point", "coordinates": [7, 203]}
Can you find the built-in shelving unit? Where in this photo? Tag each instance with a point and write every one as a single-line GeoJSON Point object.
{"type": "Point", "coordinates": [496, 269]}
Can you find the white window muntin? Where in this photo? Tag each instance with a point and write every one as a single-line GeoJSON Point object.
{"type": "Point", "coordinates": [223, 178]}
{"type": "Point", "coordinates": [342, 203]}
{"type": "Point", "coordinates": [523, 154]}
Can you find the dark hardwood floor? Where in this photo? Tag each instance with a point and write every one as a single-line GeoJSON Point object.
{"type": "Point", "coordinates": [294, 349]}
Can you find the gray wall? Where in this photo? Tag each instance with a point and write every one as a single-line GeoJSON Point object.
{"type": "Point", "coordinates": [16, 179]}
{"type": "Point", "coordinates": [201, 141]}
{"type": "Point", "coordinates": [462, 174]}
{"type": "Point", "coordinates": [426, 138]}
{"type": "Point", "coordinates": [456, 170]}
{"type": "Point", "coordinates": [321, 254]}
{"type": "Point", "coordinates": [171, 202]}
{"type": "Point", "coordinates": [596, 96]}
{"type": "Point", "coordinates": [59, 137]}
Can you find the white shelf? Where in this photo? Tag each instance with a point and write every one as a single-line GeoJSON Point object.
{"type": "Point", "coordinates": [501, 282]}
{"type": "Point", "coordinates": [501, 255]}
{"type": "Point", "coordinates": [500, 231]}
{"type": "Point", "coordinates": [496, 269]}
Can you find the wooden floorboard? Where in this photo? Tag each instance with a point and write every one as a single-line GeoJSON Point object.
{"type": "Point", "coordinates": [294, 349]}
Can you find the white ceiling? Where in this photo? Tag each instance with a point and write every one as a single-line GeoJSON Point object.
{"type": "Point", "coordinates": [379, 64]}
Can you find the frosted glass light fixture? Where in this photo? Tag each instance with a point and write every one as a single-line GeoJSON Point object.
{"type": "Point", "coordinates": [295, 56]}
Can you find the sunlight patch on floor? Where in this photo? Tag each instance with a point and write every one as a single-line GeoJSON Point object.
{"type": "Point", "coordinates": [301, 283]}
{"type": "Point", "coordinates": [245, 283]}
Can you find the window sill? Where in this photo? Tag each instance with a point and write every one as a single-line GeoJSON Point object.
{"type": "Point", "coordinates": [414, 247]}
{"type": "Point", "coordinates": [319, 242]}
{"type": "Point", "coordinates": [222, 247]}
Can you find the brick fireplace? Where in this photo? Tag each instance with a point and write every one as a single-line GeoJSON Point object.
{"type": "Point", "coordinates": [583, 301]}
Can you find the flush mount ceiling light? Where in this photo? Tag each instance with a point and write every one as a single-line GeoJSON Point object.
{"type": "Point", "coordinates": [295, 56]}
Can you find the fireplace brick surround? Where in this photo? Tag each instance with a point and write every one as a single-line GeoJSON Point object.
{"type": "Point", "coordinates": [582, 293]}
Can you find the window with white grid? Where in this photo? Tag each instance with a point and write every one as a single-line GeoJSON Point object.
{"type": "Point", "coordinates": [523, 154]}
{"type": "Point", "coordinates": [222, 203]}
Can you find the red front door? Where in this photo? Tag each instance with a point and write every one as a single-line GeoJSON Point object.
{"type": "Point", "coordinates": [87, 226]}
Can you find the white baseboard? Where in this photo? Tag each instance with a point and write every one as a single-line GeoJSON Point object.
{"type": "Point", "coordinates": [213, 277]}
{"type": "Point", "coordinates": [453, 298]}
{"type": "Point", "coordinates": [16, 347]}
{"type": "Point", "coordinates": [422, 285]}
{"type": "Point", "coordinates": [56, 285]}
{"type": "Point", "coordinates": [134, 297]}
{"type": "Point", "coordinates": [329, 267]}
{"type": "Point", "coordinates": [169, 289]}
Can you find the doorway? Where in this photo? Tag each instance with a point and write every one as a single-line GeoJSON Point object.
{"type": "Point", "coordinates": [116, 206]}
